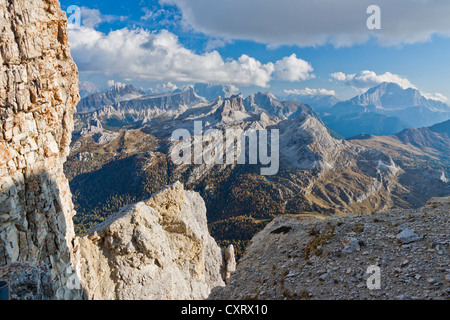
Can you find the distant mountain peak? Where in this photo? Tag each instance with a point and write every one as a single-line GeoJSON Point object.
{"type": "Point", "coordinates": [117, 93]}
{"type": "Point", "coordinates": [318, 101]}
{"type": "Point", "coordinates": [391, 106]}
{"type": "Point", "coordinates": [392, 96]}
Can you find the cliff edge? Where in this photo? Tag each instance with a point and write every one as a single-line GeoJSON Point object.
{"type": "Point", "coordinates": [157, 249]}
{"type": "Point", "coordinates": [38, 95]}
{"type": "Point", "coordinates": [400, 254]}
{"type": "Point", "coordinates": [160, 249]}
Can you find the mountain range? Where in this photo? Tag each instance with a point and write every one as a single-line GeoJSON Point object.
{"type": "Point", "coordinates": [319, 102]}
{"type": "Point", "coordinates": [143, 223]}
{"type": "Point", "coordinates": [384, 110]}
{"type": "Point", "coordinates": [121, 155]}
{"type": "Point", "coordinates": [116, 93]}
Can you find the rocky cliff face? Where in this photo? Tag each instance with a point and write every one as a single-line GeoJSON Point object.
{"type": "Point", "coordinates": [283, 110]}
{"type": "Point", "coordinates": [334, 258]}
{"type": "Point", "coordinates": [157, 249]}
{"type": "Point", "coordinates": [160, 249]}
{"type": "Point", "coordinates": [38, 94]}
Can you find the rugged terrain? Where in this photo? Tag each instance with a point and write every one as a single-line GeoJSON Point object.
{"type": "Point", "coordinates": [414, 148]}
{"type": "Point", "coordinates": [385, 110]}
{"type": "Point", "coordinates": [136, 253]}
{"type": "Point", "coordinates": [157, 249]}
{"type": "Point", "coordinates": [423, 153]}
{"type": "Point", "coordinates": [317, 173]}
{"type": "Point", "coordinates": [38, 94]}
{"type": "Point", "coordinates": [312, 258]}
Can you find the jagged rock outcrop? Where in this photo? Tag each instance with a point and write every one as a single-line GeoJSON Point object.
{"type": "Point", "coordinates": [165, 252]}
{"type": "Point", "coordinates": [117, 93]}
{"type": "Point", "coordinates": [158, 249]}
{"type": "Point", "coordinates": [267, 102]}
{"type": "Point", "coordinates": [335, 258]}
{"type": "Point", "coordinates": [230, 263]}
{"type": "Point", "coordinates": [141, 109]}
{"type": "Point", "coordinates": [28, 282]}
{"type": "Point", "coordinates": [38, 94]}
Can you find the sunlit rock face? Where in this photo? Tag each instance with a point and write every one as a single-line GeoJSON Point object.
{"type": "Point", "coordinates": [38, 95]}
{"type": "Point", "coordinates": [159, 249]}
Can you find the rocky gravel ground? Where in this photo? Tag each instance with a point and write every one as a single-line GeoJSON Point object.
{"type": "Point", "coordinates": [396, 255]}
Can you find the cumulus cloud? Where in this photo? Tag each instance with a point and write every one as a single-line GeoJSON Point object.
{"type": "Point", "coordinates": [340, 76]}
{"type": "Point", "coordinates": [292, 69]}
{"type": "Point", "coordinates": [91, 18]}
{"type": "Point", "coordinates": [435, 96]}
{"type": "Point", "coordinates": [112, 83]}
{"type": "Point", "coordinates": [139, 54]}
{"type": "Point", "coordinates": [310, 92]}
{"type": "Point", "coordinates": [318, 22]}
{"type": "Point", "coordinates": [163, 88]}
{"type": "Point", "coordinates": [367, 79]}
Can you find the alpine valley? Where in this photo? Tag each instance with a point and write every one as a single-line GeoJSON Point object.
{"type": "Point", "coordinates": [194, 191]}
{"type": "Point", "coordinates": [120, 154]}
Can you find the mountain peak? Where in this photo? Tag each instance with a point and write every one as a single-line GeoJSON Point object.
{"type": "Point", "coordinates": [392, 86]}
{"type": "Point", "coordinates": [407, 107]}
{"type": "Point", "coordinates": [233, 109]}
{"type": "Point", "coordinates": [306, 144]}
{"type": "Point", "coordinates": [120, 89]}
{"type": "Point", "coordinates": [117, 93]}
{"type": "Point", "coordinates": [393, 96]}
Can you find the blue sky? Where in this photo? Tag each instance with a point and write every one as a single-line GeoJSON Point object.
{"type": "Point", "coordinates": [262, 45]}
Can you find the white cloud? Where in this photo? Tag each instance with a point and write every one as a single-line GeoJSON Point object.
{"type": "Point", "coordinates": [318, 22]}
{"type": "Point", "coordinates": [91, 18]}
{"type": "Point", "coordinates": [435, 96]}
{"type": "Point", "coordinates": [212, 44]}
{"type": "Point", "coordinates": [112, 83]}
{"type": "Point", "coordinates": [311, 92]}
{"type": "Point", "coordinates": [367, 79]}
{"type": "Point", "coordinates": [163, 88]}
{"type": "Point", "coordinates": [158, 56]}
{"type": "Point", "coordinates": [292, 69]}
{"type": "Point", "coordinates": [340, 76]}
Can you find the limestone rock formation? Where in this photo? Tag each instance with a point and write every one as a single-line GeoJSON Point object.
{"type": "Point", "coordinates": [28, 282]}
{"type": "Point", "coordinates": [117, 93]}
{"type": "Point", "coordinates": [38, 94]}
{"type": "Point", "coordinates": [334, 258]}
{"type": "Point", "coordinates": [159, 249]}
{"type": "Point", "coordinates": [230, 262]}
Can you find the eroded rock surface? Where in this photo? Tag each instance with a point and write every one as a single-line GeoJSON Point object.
{"type": "Point", "coordinates": [28, 282]}
{"type": "Point", "coordinates": [310, 258]}
{"type": "Point", "coordinates": [38, 94]}
{"type": "Point", "coordinates": [158, 249]}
